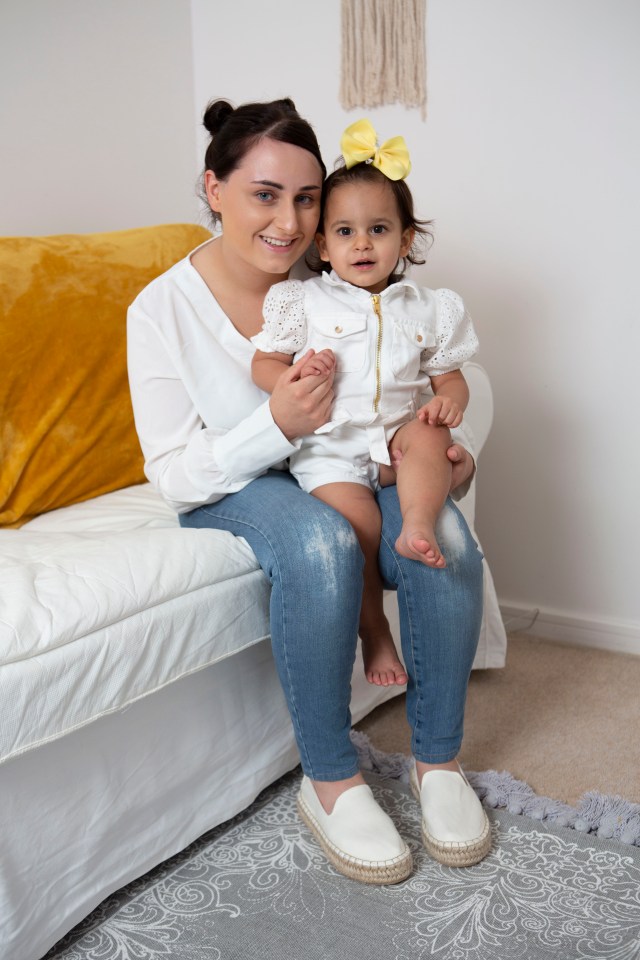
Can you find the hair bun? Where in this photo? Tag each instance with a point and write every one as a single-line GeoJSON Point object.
{"type": "Point", "coordinates": [287, 104]}
{"type": "Point", "coordinates": [216, 115]}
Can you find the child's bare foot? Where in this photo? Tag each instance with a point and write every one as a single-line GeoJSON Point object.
{"type": "Point", "coordinates": [382, 665]}
{"type": "Point", "coordinates": [420, 545]}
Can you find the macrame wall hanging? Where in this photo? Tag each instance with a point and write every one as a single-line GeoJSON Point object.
{"type": "Point", "coordinates": [383, 53]}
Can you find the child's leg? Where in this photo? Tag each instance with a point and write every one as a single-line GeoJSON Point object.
{"type": "Point", "coordinates": [423, 479]}
{"type": "Point", "coordinates": [357, 503]}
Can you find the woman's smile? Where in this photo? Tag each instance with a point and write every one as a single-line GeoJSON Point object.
{"type": "Point", "coordinates": [276, 243]}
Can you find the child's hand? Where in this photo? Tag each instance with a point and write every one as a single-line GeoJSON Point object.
{"type": "Point", "coordinates": [441, 411]}
{"type": "Point", "coordinates": [321, 364]}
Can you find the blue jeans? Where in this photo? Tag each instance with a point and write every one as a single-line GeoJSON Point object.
{"type": "Point", "coordinates": [314, 563]}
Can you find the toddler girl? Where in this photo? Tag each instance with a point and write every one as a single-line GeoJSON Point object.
{"type": "Point", "coordinates": [383, 340]}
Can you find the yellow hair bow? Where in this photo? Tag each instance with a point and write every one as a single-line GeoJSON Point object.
{"type": "Point", "coordinates": [359, 144]}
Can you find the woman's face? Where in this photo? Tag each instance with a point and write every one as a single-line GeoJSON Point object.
{"type": "Point", "coordinates": [269, 205]}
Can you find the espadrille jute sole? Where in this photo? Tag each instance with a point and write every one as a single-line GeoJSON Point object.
{"type": "Point", "coordinates": [451, 854]}
{"type": "Point", "coordinates": [458, 855]}
{"type": "Point", "coordinates": [392, 871]}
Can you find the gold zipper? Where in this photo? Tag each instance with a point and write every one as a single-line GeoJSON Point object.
{"type": "Point", "coordinates": [375, 297]}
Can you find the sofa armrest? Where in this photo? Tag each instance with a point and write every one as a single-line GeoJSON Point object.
{"type": "Point", "coordinates": [479, 413]}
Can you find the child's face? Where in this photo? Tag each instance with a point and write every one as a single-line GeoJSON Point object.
{"type": "Point", "coordinates": [362, 234]}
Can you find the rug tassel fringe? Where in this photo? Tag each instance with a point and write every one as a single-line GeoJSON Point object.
{"type": "Point", "coordinates": [610, 817]}
{"type": "Point", "coordinates": [394, 766]}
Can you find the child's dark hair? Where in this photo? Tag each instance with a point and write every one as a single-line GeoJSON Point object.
{"type": "Point", "coordinates": [234, 131]}
{"type": "Point", "coordinates": [367, 173]}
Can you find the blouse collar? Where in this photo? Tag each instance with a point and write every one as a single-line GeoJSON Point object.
{"type": "Point", "coordinates": [403, 285]}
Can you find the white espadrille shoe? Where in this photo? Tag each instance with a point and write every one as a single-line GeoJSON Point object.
{"type": "Point", "coordinates": [358, 837]}
{"type": "Point", "coordinates": [455, 828]}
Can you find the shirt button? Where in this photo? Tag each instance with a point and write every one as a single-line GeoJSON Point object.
{"type": "Point", "coordinates": [419, 338]}
{"type": "Point", "coordinates": [338, 329]}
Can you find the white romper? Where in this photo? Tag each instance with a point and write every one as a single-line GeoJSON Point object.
{"type": "Point", "coordinates": [387, 346]}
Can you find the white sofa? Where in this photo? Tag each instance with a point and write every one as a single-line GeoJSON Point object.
{"type": "Point", "coordinates": [140, 705]}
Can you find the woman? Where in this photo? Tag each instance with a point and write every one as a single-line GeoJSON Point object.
{"type": "Point", "coordinates": [212, 440]}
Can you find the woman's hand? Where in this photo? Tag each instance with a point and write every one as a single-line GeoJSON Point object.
{"type": "Point", "coordinates": [299, 405]}
{"type": "Point", "coordinates": [462, 464]}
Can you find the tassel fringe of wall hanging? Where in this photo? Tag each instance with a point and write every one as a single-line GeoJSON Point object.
{"type": "Point", "coordinates": [383, 53]}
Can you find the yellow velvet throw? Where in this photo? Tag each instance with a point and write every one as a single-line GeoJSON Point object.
{"type": "Point", "coordinates": [66, 423]}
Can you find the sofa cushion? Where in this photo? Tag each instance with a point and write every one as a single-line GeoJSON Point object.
{"type": "Point", "coordinates": [67, 430]}
{"type": "Point", "coordinates": [97, 613]}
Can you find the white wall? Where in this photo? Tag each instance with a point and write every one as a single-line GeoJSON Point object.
{"type": "Point", "coordinates": [96, 115]}
{"type": "Point", "coordinates": [528, 162]}
{"type": "Point", "coordinates": [536, 146]}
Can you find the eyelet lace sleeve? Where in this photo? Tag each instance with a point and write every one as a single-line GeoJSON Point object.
{"type": "Point", "coordinates": [285, 325]}
{"type": "Point", "coordinates": [456, 339]}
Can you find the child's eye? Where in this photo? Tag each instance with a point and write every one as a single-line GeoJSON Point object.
{"type": "Point", "coordinates": [379, 228]}
{"type": "Point", "coordinates": [344, 231]}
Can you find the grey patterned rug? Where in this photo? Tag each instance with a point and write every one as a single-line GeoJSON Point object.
{"type": "Point", "coordinates": [258, 888]}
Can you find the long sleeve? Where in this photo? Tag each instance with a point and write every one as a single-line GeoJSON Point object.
{"type": "Point", "coordinates": [204, 428]}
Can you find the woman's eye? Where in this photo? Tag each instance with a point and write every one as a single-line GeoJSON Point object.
{"type": "Point", "coordinates": [306, 200]}
{"type": "Point", "coordinates": [264, 195]}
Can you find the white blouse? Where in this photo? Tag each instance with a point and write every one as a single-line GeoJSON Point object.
{"type": "Point", "coordinates": [204, 426]}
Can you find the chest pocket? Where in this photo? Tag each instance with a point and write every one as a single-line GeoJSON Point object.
{"type": "Point", "coordinates": [345, 334]}
{"type": "Point", "coordinates": [409, 340]}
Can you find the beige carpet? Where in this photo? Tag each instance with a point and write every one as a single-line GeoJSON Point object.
{"type": "Point", "coordinates": [564, 719]}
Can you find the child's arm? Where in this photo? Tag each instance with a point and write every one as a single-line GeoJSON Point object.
{"type": "Point", "coordinates": [267, 367]}
{"type": "Point", "coordinates": [450, 401]}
